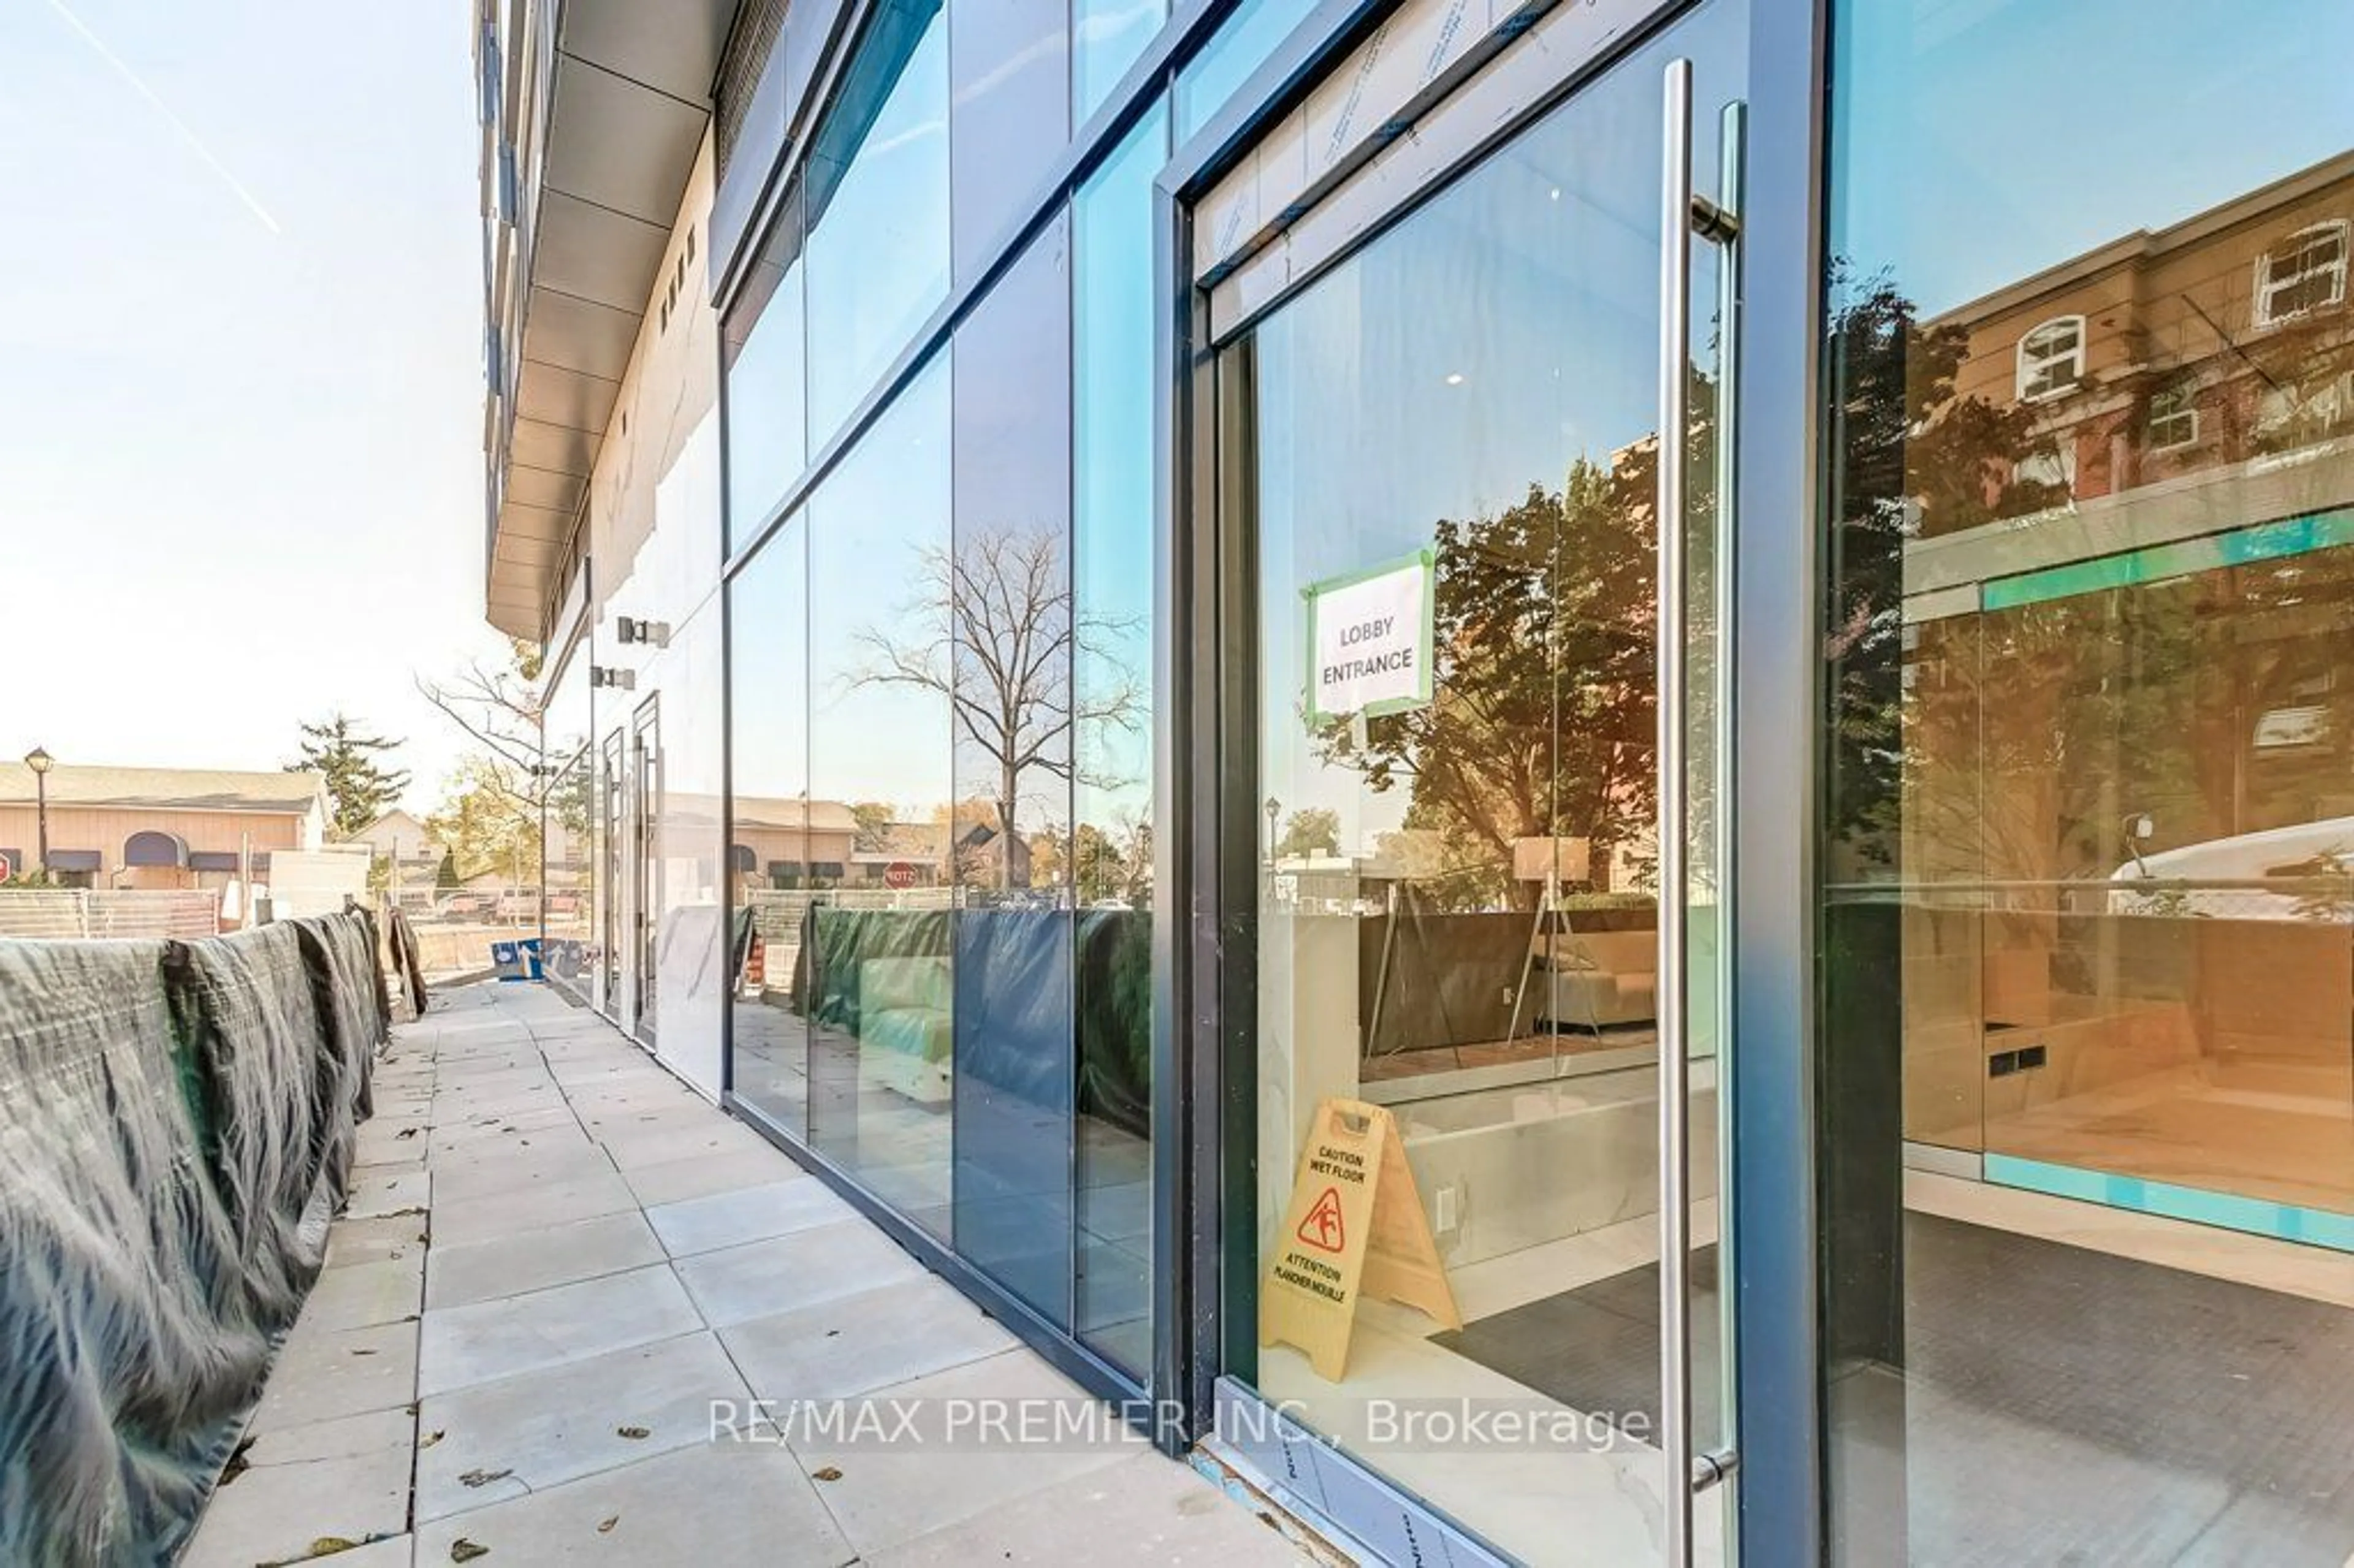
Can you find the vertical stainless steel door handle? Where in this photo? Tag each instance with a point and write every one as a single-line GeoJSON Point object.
{"type": "Point", "coordinates": [1683, 215]}
{"type": "Point", "coordinates": [1675, 1123]}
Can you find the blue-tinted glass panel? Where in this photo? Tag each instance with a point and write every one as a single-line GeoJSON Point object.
{"type": "Point", "coordinates": [1112, 572]}
{"type": "Point", "coordinates": [768, 437]}
{"type": "Point", "coordinates": [1107, 36]}
{"type": "Point", "coordinates": [1006, 607]}
{"type": "Point", "coordinates": [878, 182]}
{"type": "Point", "coordinates": [775, 837]}
{"type": "Point", "coordinates": [1240, 46]}
{"type": "Point", "coordinates": [1009, 64]}
{"type": "Point", "coordinates": [880, 943]}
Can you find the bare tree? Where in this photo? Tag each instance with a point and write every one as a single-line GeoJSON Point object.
{"type": "Point", "coordinates": [506, 791]}
{"type": "Point", "coordinates": [994, 631]}
{"type": "Point", "coordinates": [504, 711]}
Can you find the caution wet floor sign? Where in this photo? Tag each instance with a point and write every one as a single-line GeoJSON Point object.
{"type": "Point", "coordinates": [1356, 1227]}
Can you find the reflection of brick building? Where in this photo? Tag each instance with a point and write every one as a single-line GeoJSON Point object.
{"type": "Point", "coordinates": [2206, 345]}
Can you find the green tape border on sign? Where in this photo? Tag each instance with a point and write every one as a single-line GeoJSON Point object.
{"type": "Point", "coordinates": [1427, 559]}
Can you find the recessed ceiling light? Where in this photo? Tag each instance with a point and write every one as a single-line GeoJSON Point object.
{"type": "Point", "coordinates": [1455, 378]}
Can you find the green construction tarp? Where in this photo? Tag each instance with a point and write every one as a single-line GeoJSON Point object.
{"type": "Point", "coordinates": [177, 1122]}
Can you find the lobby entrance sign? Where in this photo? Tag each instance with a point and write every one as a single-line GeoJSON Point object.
{"type": "Point", "coordinates": [1369, 641]}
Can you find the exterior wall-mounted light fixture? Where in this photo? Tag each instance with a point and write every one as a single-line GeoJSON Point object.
{"type": "Point", "coordinates": [654, 632]}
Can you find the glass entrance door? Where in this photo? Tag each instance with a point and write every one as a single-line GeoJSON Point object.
{"type": "Point", "coordinates": [1476, 460]}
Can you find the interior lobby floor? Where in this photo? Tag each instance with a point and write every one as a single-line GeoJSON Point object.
{"type": "Point", "coordinates": [2279, 1131]}
{"type": "Point", "coordinates": [2082, 1384]}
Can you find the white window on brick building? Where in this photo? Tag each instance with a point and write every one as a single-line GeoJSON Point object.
{"type": "Point", "coordinates": [2304, 274]}
{"type": "Point", "coordinates": [2173, 417]}
{"type": "Point", "coordinates": [2051, 358]}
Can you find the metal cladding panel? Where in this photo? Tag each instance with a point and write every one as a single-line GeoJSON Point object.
{"type": "Point", "coordinates": [592, 253]}
{"type": "Point", "coordinates": [526, 549]}
{"type": "Point", "coordinates": [585, 335]}
{"type": "Point", "coordinates": [559, 397]}
{"type": "Point", "coordinates": [553, 446]}
{"type": "Point", "coordinates": [528, 486]}
{"type": "Point", "coordinates": [521, 522]}
{"type": "Point", "coordinates": [673, 47]}
{"type": "Point", "coordinates": [620, 145]}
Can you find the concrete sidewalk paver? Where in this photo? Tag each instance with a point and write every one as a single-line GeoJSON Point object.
{"type": "Point", "coordinates": [559, 1264]}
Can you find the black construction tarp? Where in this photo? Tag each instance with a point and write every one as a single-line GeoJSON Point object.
{"type": "Point", "coordinates": [176, 1128]}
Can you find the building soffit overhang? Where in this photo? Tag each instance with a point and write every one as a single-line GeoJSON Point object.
{"type": "Point", "coordinates": [627, 103]}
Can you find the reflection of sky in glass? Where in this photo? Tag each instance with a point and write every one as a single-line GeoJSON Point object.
{"type": "Point", "coordinates": [1506, 330]}
{"type": "Point", "coordinates": [1978, 142]}
{"type": "Point", "coordinates": [1113, 409]}
{"type": "Point", "coordinates": [768, 656]}
{"type": "Point", "coordinates": [766, 439]}
{"type": "Point", "coordinates": [871, 522]}
{"type": "Point", "coordinates": [878, 258]}
{"type": "Point", "coordinates": [1012, 451]}
{"type": "Point", "coordinates": [1241, 46]}
{"type": "Point", "coordinates": [1110, 35]}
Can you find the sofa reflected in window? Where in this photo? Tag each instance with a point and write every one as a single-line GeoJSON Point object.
{"type": "Point", "coordinates": [1601, 979]}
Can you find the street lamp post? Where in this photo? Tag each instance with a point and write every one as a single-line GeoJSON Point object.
{"type": "Point", "coordinates": [40, 762]}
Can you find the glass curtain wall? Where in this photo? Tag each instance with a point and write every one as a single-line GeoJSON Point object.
{"type": "Point", "coordinates": [877, 180]}
{"type": "Point", "coordinates": [1004, 610]}
{"type": "Point", "coordinates": [1111, 843]}
{"type": "Point", "coordinates": [2088, 842]}
{"type": "Point", "coordinates": [767, 375]}
{"type": "Point", "coordinates": [778, 831]}
{"type": "Point", "coordinates": [882, 936]}
{"type": "Point", "coordinates": [941, 661]}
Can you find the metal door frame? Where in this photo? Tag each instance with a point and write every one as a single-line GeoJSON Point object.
{"type": "Point", "coordinates": [644, 797]}
{"type": "Point", "coordinates": [612, 807]}
{"type": "Point", "coordinates": [1207, 778]}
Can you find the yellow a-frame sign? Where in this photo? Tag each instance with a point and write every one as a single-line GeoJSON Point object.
{"type": "Point", "coordinates": [1354, 1228]}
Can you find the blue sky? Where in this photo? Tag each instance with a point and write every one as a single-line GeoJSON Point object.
{"type": "Point", "coordinates": [1978, 142]}
{"type": "Point", "coordinates": [241, 397]}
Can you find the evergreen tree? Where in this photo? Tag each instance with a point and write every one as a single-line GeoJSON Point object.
{"type": "Point", "coordinates": [360, 787]}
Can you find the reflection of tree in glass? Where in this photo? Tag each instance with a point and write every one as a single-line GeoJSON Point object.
{"type": "Point", "coordinates": [1540, 722]}
{"type": "Point", "coordinates": [1912, 459]}
{"type": "Point", "coordinates": [992, 631]}
{"type": "Point", "coordinates": [1313, 830]}
{"type": "Point", "coordinates": [1113, 864]}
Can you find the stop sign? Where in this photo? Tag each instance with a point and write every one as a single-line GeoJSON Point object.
{"type": "Point", "coordinates": [899, 874]}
